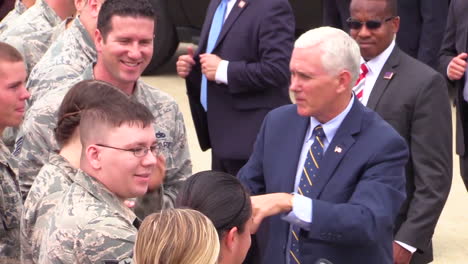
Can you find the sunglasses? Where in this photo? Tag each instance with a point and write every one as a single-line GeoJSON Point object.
{"type": "Point", "coordinates": [370, 24]}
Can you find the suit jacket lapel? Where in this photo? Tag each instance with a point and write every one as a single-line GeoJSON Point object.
{"type": "Point", "coordinates": [338, 147]}
{"type": "Point", "coordinates": [462, 39]}
{"type": "Point", "coordinates": [232, 17]}
{"type": "Point", "coordinates": [206, 26]}
{"type": "Point", "coordinates": [382, 83]}
{"type": "Point", "coordinates": [294, 147]}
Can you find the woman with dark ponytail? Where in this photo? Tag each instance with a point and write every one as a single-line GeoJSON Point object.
{"type": "Point", "coordinates": [223, 199]}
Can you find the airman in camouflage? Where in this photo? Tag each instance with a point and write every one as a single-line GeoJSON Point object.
{"type": "Point", "coordinates": [53, 180]}
{"type": "Point", "coordinates": [9, 137]}
{"type": "Point", "coordinates": [91, 223]}
{"type": "Point", "coordinates": [31, 34]}
{"type": "Point", "coordinates": [65, 60]}
{"type": "Point", "coordinates": [37, 127]}
{"type": "Point", "coordinates": [10, 210]}
{"type": "Point", "coordinates": [10, 133]}
{"type": "Point", "coordinates": [13, 96]}
{"type": "Point", "coordinates": [19, 9]}
{"type": "Point", "coordinates": [58, 174]}
{"type": "Point", "coordinates": [35, 139]}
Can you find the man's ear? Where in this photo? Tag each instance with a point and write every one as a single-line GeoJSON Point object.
{"type": "Point", "coordinates": [79, 5]}
{"type": "Point", "coordinates": [396, 24]}
{"type": "Point", "coordinates": [98, 40]}
{"type": "Point", "coordinates": [344, 81]}
{"type": "Point", "coordinates": [93, 155]}
{"type": "Point", "coordinates": [94, 7]}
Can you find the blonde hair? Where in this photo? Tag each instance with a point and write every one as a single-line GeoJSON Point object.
{"type": "Point", "coordinates": [182, 236]}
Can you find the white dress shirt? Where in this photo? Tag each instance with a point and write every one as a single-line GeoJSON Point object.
{"type": "Point", "coordinates": [375, 66]}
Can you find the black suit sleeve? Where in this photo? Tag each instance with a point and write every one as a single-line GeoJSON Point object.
{"type": "Point", "coordinates": [335, 13]}
{"type": "Point", "coordinates": [331, 15]}
{"type": "Point", "coordinates": [251, 175]}
{"type": "Point", "coordinates": [275, 43]}
{"type": "Point", "coordinates": [448, 49]}
{"type": "Point", "coordinates": [430, 144]}
{"type": "Point", "coordinates": [434, 16]}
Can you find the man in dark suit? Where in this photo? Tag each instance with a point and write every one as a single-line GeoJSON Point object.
{"type": "Point", "coordinates": [453, 65]}
{"type": "Point", "coordinates": [247, 75]}
{"type": "Point", "coordinates": [422, 25]}
{"type": "Point", "coordinates": [344, 164]}
{"type": "Point", "coordinates": [335, 13]}
{"type": "Point", "coordinates": [413, 98]}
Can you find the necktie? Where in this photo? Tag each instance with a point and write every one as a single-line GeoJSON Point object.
{"type": "Point", "coordinates": [309, 173]}
{"type": "Point", "coordinates": [215, 29]}
{"type": "Point", "coordinates": [359, 87]}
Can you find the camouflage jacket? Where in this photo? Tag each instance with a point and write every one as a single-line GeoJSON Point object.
{"type": "Point", "coordinates": [65, 60]}
{"type": "Point", "coordinates": [12, 16]}
{"type": "Point", "coordinates": [10, 210]}
{"type": "Point", "coordinates": [36, 140]}
{"type": "Point", "coordinates": [53, 180]}
{"type": "Point", "coordinates": [31, 34]}
{"type": "Point", "coordinates": [89, 225]}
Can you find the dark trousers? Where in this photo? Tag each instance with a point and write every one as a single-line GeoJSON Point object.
{"type": "Point", "coordinates": [231, 166]}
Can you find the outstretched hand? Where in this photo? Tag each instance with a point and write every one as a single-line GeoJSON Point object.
{"type": "Point", "coordinates": [267, 205]}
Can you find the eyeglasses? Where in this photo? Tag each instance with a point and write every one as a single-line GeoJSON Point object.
{"type": "Point", "coordinates": [370, 24]}
{"type": "Point", "coordinates": [138, 151]}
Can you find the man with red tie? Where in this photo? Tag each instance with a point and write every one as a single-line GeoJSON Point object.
{"type": "Point", "coordinates": [413, 98]}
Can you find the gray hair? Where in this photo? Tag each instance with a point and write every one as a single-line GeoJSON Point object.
{"type": "Point", "coordinates": [339, 50]}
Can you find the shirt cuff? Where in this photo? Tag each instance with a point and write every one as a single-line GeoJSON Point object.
{"type": "Point", "coordinates": [406, 246]}
{"type": "Point", "coordinates": [221, 72]}
{"type": "Point", "coordinates": [301, 213]}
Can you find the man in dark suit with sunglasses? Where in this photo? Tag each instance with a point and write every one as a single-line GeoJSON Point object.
{"type": "Point", "coordinates": [413, 98]}
{"type": "Point", "coordinates": [453, 65]}
{"type": "Point", "coordinates": [421, 31]}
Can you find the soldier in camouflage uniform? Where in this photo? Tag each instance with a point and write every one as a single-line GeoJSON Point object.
{"type": "Point", "coordinates": [63, 62]}
{"type": "Point", "coordinates": [20, 7]}
{"type": "Point", "coordinates": [31, 34]}
{"type": "Point", "coordinates": [68, 56]}
{"type": "Point", "coordinates": [36, 141]}
{"type": "Point", "coordinates": [13, 96]}
{"type": "Point", "coordinates": [58, 174]}
{"type": "Point", "coordinates": [52, 181]}
{"type": "Point", "coordinates": [10, 210]}
{"type": "Point", "coordinates": [91, 223]}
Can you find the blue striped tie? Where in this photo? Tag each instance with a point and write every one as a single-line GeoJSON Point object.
{"type": "Point", "coordinates": [216, 26]}
{"type": "Point", "coordinates": [309, 173]}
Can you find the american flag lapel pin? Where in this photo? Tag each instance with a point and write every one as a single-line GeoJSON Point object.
{"type": "Point", "coordinates": [241, 4]}
{"type": "Point", "coordinates": [388, 75]}
{"type": "Point", "coordinates": [338, 149]}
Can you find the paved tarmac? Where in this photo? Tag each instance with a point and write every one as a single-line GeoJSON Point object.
{"type": "Point", "coordinates": [451, 235]}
